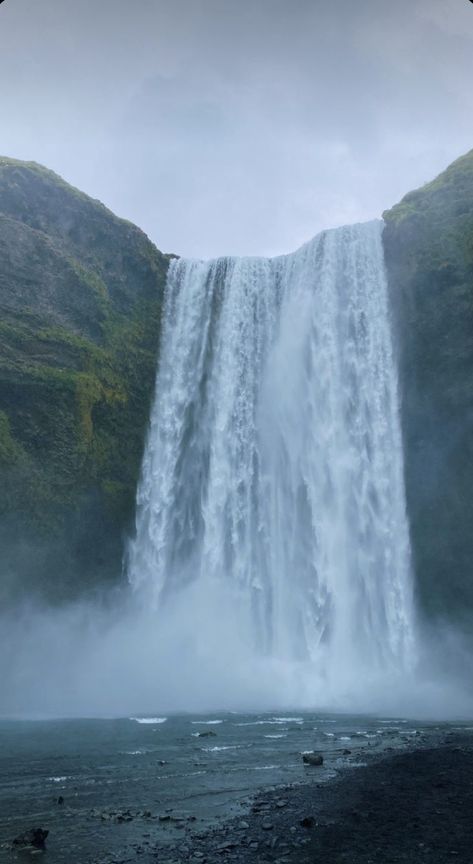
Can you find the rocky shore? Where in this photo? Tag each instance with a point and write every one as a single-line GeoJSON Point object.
{"type": "Point", "coordinates": [410, 805]}
{"type": "Point", "coordinates": [414, 807]}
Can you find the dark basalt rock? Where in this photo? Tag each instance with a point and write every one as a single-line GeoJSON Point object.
{"type": "Point", "coordinates": [313, 759]}
{"type": "Point", "coordinates": [308, 822]}
{"type": "Point", "coordinates": [35, 838]}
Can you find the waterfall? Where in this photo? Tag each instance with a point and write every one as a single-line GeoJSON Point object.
{"type": "Point", "coordinates": [271, 506]}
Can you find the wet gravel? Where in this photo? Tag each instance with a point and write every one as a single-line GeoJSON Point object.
{"type": "Point", "coordinates": [412, 805]}
{"type": "Point", "coordinates": [416, 806]}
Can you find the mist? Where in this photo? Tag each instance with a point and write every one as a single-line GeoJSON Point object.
{"type": "Point", "coordinates": [118, 660]}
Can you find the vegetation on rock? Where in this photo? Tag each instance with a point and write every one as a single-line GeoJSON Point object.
{"type": "Point", "coordinates": [80, 301]}
{"type": "Point", "coordinates": [428, 242]}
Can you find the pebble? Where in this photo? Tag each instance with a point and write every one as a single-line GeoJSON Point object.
{"type": "Point", "coordinates": [308, 822]}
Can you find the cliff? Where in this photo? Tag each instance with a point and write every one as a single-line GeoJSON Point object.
{"type": "Point", "coordinates": [428, 242]}
{"type": "Point", "coordinates": [80, 302]}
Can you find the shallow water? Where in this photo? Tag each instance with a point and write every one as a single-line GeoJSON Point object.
{"type": "Point", "coordinates": [163, 766]}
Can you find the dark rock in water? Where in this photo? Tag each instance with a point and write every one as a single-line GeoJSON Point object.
{"type": "Point", "coordinates": [126, 816]}
{"type": "Point", "coordinates": [312, 759]}
{"type": "Point", "coordinates": [35, 838]}
{"type": "Point", "coordinates": [208, 734]}
{"type": "Point", "coordinates": [346, 752]}
{"type": "Point", "coordinates": [267, 826]}
{"type": "Point", "coordinates": [308, 822]}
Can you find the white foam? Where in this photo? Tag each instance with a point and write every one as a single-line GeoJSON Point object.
{"type": "Point", "coordinates": [288, 719]}
{"type": "Point", "coordinates": [274, 721]}
{"type": "Point", "coordinates": [149, 720]}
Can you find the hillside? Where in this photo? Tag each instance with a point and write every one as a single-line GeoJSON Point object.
{"type": "Point", "coordinates": [80, 301]}
{"type": "Point", "coordinates": [429, 254]}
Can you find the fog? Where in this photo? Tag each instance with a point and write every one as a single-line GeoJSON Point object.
{"type": "Point", "coordinates": [238, 126]}
{"type": "Point", "coordinates": [109, 660]}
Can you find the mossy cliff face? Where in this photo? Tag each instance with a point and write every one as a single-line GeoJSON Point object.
{"type": "Point", "coordinates": [80, 304]}
{"type": "Point", "coordinates": [428, 242]}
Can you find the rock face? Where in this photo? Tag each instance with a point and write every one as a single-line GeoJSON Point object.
{"type": "Point", "coordinates": [429, 254]}
{"type": "Point", "coordinates": [80, 302]}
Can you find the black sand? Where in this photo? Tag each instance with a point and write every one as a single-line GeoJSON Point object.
{"type": "Point", "coordinates": [416, 806]}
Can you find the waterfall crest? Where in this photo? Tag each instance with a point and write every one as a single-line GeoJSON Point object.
{"type": "Point", "coordinates": [273, 472]}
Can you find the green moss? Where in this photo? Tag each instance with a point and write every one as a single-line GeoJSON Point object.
{"type": "Point", "coordinates": [80, 302]}
{"type": "Point", "coordinates": [10, 450]}
{"type": "Point", "coordinates": [428, 242]}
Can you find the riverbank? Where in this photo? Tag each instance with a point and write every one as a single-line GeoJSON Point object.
{"type": "Point", "coordinates": [156, 790]}
{"type": "Point", "coordinates": [409, 807]}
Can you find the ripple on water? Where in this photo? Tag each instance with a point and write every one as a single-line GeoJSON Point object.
{"type": "Point", "coordinates": [282, 735]}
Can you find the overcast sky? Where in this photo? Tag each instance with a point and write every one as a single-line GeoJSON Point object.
{"type": "Point", "coordinates": [238, 126]}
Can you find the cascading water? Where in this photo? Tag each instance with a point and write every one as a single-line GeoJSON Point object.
{"type": "Point", "coordinates": [271, 508]}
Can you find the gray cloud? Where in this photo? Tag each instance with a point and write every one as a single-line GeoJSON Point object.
{"type": "Point", "coordinates": [238, 126]}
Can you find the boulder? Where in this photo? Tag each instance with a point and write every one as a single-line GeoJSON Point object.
{"type": "Point", "coordinates": [34, 838]}
{"type": "Point", "coordinates": [312, 759]}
